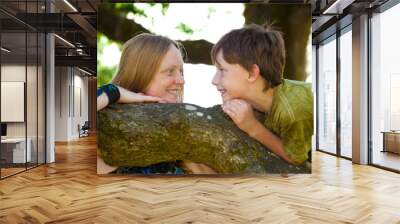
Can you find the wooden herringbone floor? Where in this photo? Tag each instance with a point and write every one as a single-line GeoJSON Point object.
{"type": "Point", "coordinates": [70, 191]}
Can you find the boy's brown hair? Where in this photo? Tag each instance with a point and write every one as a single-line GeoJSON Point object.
{"type": "Point", "coordinates": [254, 44]}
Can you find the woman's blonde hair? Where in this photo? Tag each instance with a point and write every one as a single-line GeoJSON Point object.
{"type": "Point", "coordinates": [140, 60]}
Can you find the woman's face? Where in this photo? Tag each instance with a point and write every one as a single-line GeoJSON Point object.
{"type": "Point", "coordinates": [168, 81]}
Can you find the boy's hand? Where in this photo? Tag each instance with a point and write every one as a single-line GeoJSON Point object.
{"type": "Point", "coordinates": [241, 113]}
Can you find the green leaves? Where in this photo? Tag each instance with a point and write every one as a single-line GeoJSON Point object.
{"type": "Point", "coordinates": [126, 8]}
{"type": "Point", "coordinates": [105, 74]}
{"type": "Point", "coordinates": [185, 28]}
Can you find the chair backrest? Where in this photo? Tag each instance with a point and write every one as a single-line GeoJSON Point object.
{"type": "Point", "coordinates": [86, 125]}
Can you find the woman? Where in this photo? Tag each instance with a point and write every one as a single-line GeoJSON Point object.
{"type": "Point", "coordinates": [150, 70]}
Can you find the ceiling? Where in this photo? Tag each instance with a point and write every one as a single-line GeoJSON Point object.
{"type": "Point", "coordinates": [73, 21]}
{"type": "Point", "coordinates": [330, 15]}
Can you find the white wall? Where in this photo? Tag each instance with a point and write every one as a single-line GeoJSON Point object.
{"type": "Point", "coordinates": [61, 103]}
{"type": "Point", "coordinates": [13, 73]}
{"type": "Point", "coordinates": [34, 124]}
{"type": "Point", "coordinates": [71, 94]}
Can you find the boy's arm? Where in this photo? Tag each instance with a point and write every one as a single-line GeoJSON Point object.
{"type": "Point", "coordinates": [242, 115]}
{"type": "Point", "coordinates": [269, 140]}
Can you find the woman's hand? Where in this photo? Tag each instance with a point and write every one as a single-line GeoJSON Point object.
{"type": "Point", "coordinates": [241, 113]}
{"type": "Point", "coordinates": [127, 96]}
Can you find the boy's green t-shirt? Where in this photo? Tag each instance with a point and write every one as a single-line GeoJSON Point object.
{"type": "Point", "coordinates": [291, 118]}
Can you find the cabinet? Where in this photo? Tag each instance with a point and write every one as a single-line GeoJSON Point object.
{"type": "Point", "coordinates": [391, 141]}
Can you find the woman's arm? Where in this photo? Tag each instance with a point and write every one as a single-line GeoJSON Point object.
{"type": "Point", "coordinates": [125, 96]}
{"type": "Point", "coordinates": [102, 101]}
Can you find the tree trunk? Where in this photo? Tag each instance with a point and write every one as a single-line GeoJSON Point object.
{"type": "Point", "coordinates": [145, 134]}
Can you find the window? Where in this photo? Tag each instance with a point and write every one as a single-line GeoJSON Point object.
{"type": "Point", "coordinates": [327, 96]}
{"type": "Point", "coordinates": [22, 76]}
{"type": "Point", "coordinates": [346, 93]}
{"type": "Point", "coordinates": [385, 85]}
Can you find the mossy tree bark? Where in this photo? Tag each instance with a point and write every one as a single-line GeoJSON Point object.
{"type": "Point", "coordinates": [145, 134]}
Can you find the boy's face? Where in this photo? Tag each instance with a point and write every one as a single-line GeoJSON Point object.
{"type": "Point", "coordinates": [230, 79]}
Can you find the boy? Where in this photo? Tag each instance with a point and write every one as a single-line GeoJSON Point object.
{"type": "Point", "coordinates": [250, 62]}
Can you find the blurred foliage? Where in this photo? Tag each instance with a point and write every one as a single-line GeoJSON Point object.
{"type": "Point", "coordinates": [211, 10]}
{"type": "Point", "coordinates": [127, 8]}
{"type": "Point", "coordinates": [164, 8]}
{"type": "Point", "coordinates": [104, 73]}
{"type": "Point", "coordinates": [185, 28]}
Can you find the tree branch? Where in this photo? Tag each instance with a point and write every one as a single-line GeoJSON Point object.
{"type": "Point", "coordinates": [121, 29]}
